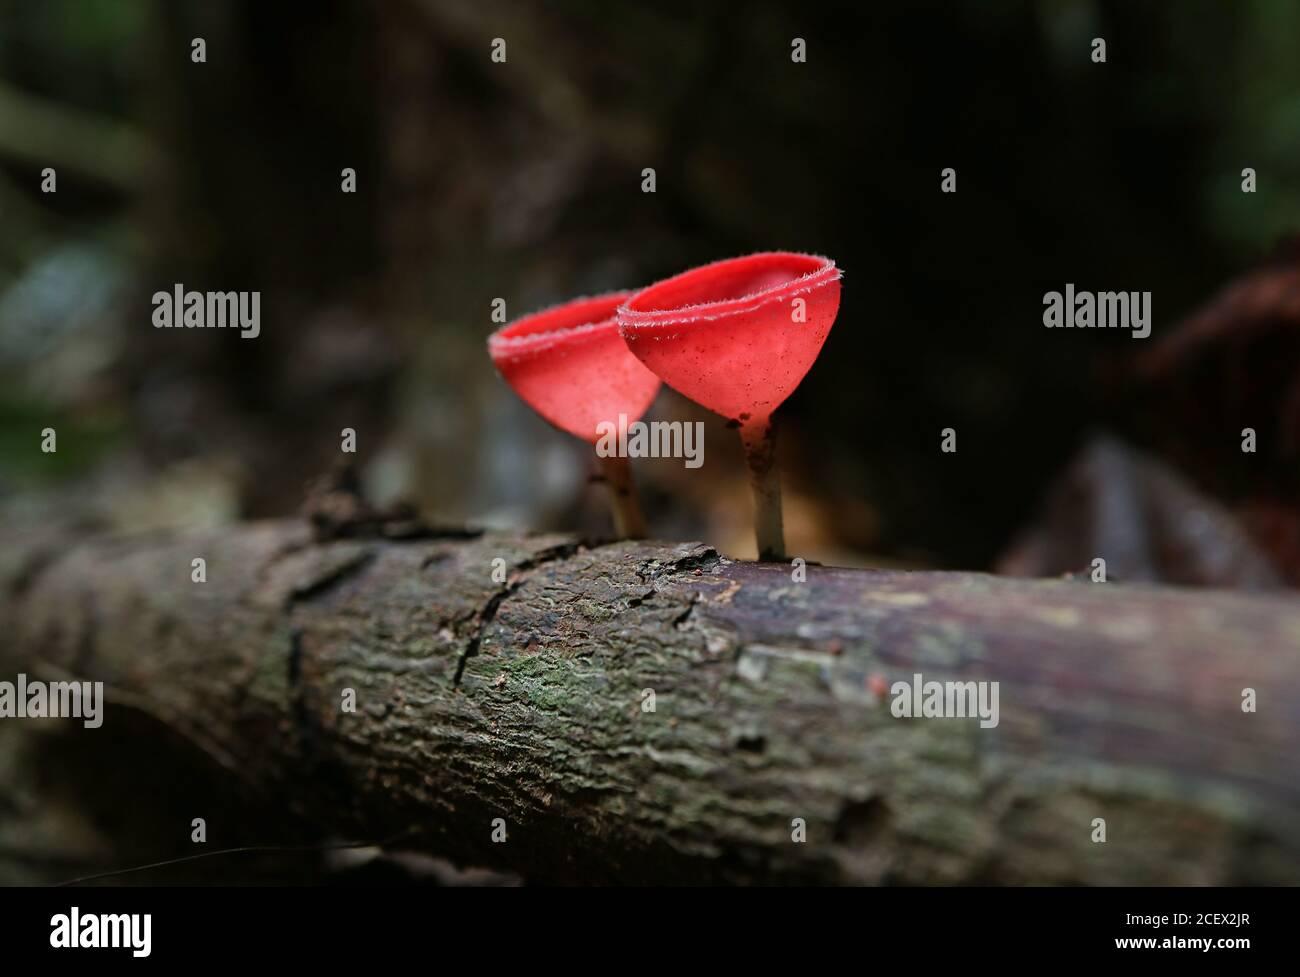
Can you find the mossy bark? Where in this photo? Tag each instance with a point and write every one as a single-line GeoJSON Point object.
{"type": "Point", "coordinates": [528, 699]}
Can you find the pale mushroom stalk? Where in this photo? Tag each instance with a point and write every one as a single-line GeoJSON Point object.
{"type": "Point", "coordinates": [629, 523]}
{"type": "Point", "coordinates": [758, 435]}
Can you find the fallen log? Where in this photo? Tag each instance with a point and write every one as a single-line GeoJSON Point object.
{"type": "Point", "coordinates": [653, 712]}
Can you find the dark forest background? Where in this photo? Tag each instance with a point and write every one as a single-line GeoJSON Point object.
{"type": "Point", "coordinates": [522, 180]}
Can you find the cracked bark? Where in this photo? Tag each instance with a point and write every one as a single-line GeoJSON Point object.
{"type": "Point", "coordinates": [524, 701]}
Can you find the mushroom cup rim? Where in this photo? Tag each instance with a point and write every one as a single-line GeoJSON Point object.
{"type": "Point", "coordinates": [507, 343]}
{"type": "Point", "coordinates": [822, 274]}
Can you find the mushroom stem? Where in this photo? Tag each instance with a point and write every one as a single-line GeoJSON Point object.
{"type": "Point", "coordinates": [758, 435]}
{"type": "Point", "coordinates": [628, 521]}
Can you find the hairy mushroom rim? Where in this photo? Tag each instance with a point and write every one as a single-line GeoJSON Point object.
{"type": "Point", "coordinates": [729, 287]}
{"type": "Point", "coordinates": [568, 322]}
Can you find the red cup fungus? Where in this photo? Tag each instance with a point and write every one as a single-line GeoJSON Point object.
{"type": "Point", "coordinates": [737, 337]}
{"type": "Point", "coordinates": [569, 364]}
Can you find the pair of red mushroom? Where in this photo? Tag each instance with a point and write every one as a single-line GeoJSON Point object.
{"type": "Point", "coordinates": [735, 336]}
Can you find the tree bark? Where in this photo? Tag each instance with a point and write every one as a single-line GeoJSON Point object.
{"type": "Point", "coordinates": [528, 698]}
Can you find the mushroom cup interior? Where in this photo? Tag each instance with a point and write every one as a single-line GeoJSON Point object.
{"type": "Point", "coordinates": [756, 276]}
